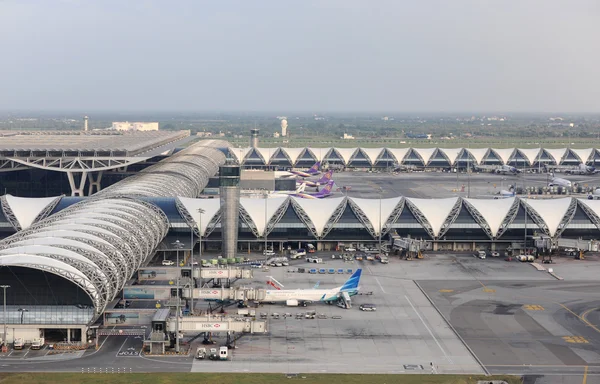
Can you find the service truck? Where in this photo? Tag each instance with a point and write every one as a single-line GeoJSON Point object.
{"type": "Point", "coordinates": [37, 343]}
{"type": "Point", "coordinates": [18, 343]}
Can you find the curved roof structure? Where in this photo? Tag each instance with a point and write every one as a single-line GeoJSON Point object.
{"type": "Point", "coordinates": [260, 212]}
{"type": "Point", "coordinates": [373, 155]}
{"type": "Point", "coordinates": [100, 242]}
{"type": "Point", "coordinates": [319, 214]}
{"type": "Point", "coordinates": [376, 213]}
{"type": "Point", "coordinates": [435, 214]}
{"type": "Point", "coordinates": [493, 215]}
{"type": "Point", "coordinates": [551, 215]}
{"type": "Point", "coordinates": [22, 211]}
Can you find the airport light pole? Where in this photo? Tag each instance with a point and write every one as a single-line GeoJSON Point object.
{"type": "Point", "coordinates": [23, 310]}
{"type": "Point", "coordinates": [4, 337]}
{"type": "Point", "coordinates": [380, 221]}
{"type": "Point", "coordinates": [178, 245]}
{"type": "Point", "coordinates": [265, 229]}
{"type": "Point", "coordinates": [200, 212]}
{"type": "Point", "coordinates": [177, 318]}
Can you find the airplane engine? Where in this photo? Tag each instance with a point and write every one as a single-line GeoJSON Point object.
{"type": "Point", "coordinates": [498, 171]}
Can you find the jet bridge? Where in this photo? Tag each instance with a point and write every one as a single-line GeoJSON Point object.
{"type": "Point", "coordinates": [225, 273]}
{"type": "Point", "coordinates": [195, 324]}
{"type": "Point", "coordinates": [226, 294]}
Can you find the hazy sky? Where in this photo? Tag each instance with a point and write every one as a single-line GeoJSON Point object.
{"type": "Point", "coordinates": [284, 55]}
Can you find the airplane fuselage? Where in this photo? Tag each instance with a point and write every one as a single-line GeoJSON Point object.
{"type": "Point", "coordinates": [305, 295]}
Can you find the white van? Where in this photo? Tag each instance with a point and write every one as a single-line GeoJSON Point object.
{"type": "Point", "coordinates": [481, 254]}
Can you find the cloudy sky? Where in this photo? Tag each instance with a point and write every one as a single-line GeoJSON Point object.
{"type": "Point", "coordinates": [304, 55]}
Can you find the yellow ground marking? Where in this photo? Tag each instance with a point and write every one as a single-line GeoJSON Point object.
{"type": "Point", "coordinates": [446, 290]}
{"type": "Point", "coordinates": [533, 307]}
{"type": "Point", "coordinates": [585, 375]}
{"type": "Point", "coordinates": [486, 289]}
{"type": "Point", "coordinates": [575, 339]}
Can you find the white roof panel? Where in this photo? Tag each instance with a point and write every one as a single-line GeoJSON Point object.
{"type": "Point", "coordinates": [451, 153]}
{"type": "Point", "coordinates": [478, 153]}
{"type": "Point", "coordinates": [530, 154]}
{"type": "Point", "coordinates": [210, 207]}
{"type": "Point", "coordinates": [493, 211]}
{"type": "Point", "coordinates": [372, 153]}
{"type": "Point", "coordinates": [583, 154]}
{"type": "Point", "coordinates": [371, 207]}
{"type": "Point", "coordinates": [557, 154]}
{"type": "Point", "coordinates": [240, 153]}
{"type": "Point", "coordinates": [594, 205]}
{"type": "Point", "coordinates": [319, 210]}
{"type": "Point", "coordinates": [436, 211]}
{"type": "Point", "coordinates": [346, 153]}
{"type": "Point", "coordinates": [293, 153]}
{"type": "Point", "coordinates": [256, 209]}
{"type": "Point", "coordinates": [399, 153]}
{"type": "Point", "coordinates": [504, 153]}
{"type": "Point", "coordinates": [26, 209]}
{"type": "Point", "coordinates": [266, 153]}
{"type": "Point", "coordinates": [320, 152]}
{"type": "Point", "coordinates": [552, 211]}
{"type": "Point", "coordinates": [425, 153]}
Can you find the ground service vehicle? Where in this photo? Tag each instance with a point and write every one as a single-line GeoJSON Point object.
{"type": "Point", "coordinates": [37, 343]}
{"type": "Point", "coordinates": [495, 254]}
{"type": "Point", "coordinates": [298, 254]}
{"type": "Point", "coordinates": [201, 353]}
{"type": "Point", "coordinates": [223, 353]}
{"type": "Point", "coordinates": [316, 260]}
{"type": "Point", "coordinates": [268, 252]}
{"type": "Point", "coordinates": [18, 343]}
{"type": "Point", "coordinates": [384, 260]}
{"type": "Point", "coordinates": [481, 254]}
{"type": "Point", "coordinates": [351, 249]}
{"type": "Point", "coordinates": [368, 307]}
{"type": "Point", "coordinates": [168, 262]}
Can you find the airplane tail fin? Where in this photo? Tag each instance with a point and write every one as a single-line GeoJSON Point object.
{"type": "Point", "coordinates": [352, 283]}
{"type": "Point", "coordinates": [317, 285]}
{"type": "Point", "coordinates": [326, 191]}
{"type": "Point", "coordinates": [315, 168]}
{"type": "Point", "coordinates": [301, 188]}
{"type": "Point", "coordinates": [326, 177]}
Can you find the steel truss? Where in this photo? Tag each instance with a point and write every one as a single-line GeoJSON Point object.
{"type": "Point", "coordinates": [363, 219]}
{"type": "Point", "coordinates": [393, 217]}
{"type": "Point", "coordinates": [77, 164]}
{"type": "Point", "coordinates": [270, 225]}
{"type": "Point", "coordinates": [249, 222]}
{"type": "Point", "coordinates": [9, 214]}
{"type": "Point", "coordinates": [566, 219]}
{"type": "Point", "coordinates": [333, 219]}
{"type": "Point", "coordinates": [280, 150]}
{"type": "Point", "coordinates": [427, 226]}
{"type": "Point", "coordinates": [594, 218]}
{"type": "Point", "coordinates": [509, 218]}
{"type": "Point", "coordinates": [479, 219]}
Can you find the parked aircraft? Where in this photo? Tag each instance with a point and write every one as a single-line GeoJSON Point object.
{"type": "Point", "coordinates": [504, 194]}
{"type": "Point", "coordinates": [323, 180]}
{"type": "Point", "coordinates": [350, 288]}
{"type": "Point", "coordinates": [594, 195]}
{"type": "Point", "coordinates": [582, 169]}
{"type": "Point", "coordinates": [299, 189]}
{"type": "Point", "coordinates": [313, 171]}
{"type": "Point", "coordinates": [559, 182]}
{"type": "Point", "coordinates": [499, 169]}
{"type": "Point", "coordinates": [325, 192]}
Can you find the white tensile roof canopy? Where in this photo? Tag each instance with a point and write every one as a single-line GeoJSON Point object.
{"type": "Point", "coordinates": [240, 153]}
{"type": "Point", "coordinates": [26, 209]}
{"type": "Point", "coordinates": [425, 153]}
{"type": "Point", "coordinates": [293, 153]}
{"type": "Point", "coordinates": [319, 211]}
{"type": "Point", "coordinates": [504, 154]}
{"type": "Point", "coordinates": [266, 153]}
{"type": "Point", "coordinates": [478, 153]}
{"type": "Point", "coordinates": [557, 154]}
{"type": "Point", "coordinates": [530, 154]}
{"type": "Point", "coordinates": [493, 211]}
{"type": "Point", "coordinates": [552, 211]}
{"type": "Point", "coordinates": [371, 207]}
{"type": "Point", "coordinates": [436, 211]}
{"type": "Point", "coordinates": [451, 153]}
{"type": "Point", "coordinates": [209, 206]}
{"type": "Point", "coordinates": [255, 207]}
{"type": "Point", "coordinates": [346, 153]}
{"type": "Point", "coordinates": [372, 153]}
{"type": "Point", "coordinates": [399, 153]}
{"type": "Point", "coordinates": [583, 154]}
{"type": "Point", "coordinates": [320, 152]}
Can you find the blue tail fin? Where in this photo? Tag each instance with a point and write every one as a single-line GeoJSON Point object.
{"type": "Point", "coordinates": [352, 283]}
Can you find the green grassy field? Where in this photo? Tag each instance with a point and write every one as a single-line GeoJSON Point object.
{"type": "Point", "coordinates": [235, 378]}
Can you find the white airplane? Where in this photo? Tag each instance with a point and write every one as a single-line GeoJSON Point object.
{"type": "Point", "coordinates": [350, 288]}
{"type": "Point", "coordinates": [498, 169]}
{"type": "Point", "coordinates": [582, 169]}
{"type": "Point", "coordinates": [594, 195]}
{"type": "Point", "coordinates": [298, 190]}
{"type": "Point", "coordinates": [559, 182]}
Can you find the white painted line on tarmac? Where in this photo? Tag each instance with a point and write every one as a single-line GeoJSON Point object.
{"type": "Point", "coordinates": [117, 355]}
{"type": "Point", "coordinates": [429, 330]}
{"type": "Point", "coordinates": [377, 280]}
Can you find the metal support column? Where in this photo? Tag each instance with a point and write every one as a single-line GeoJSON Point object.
{"type": "Point", "coordinates": [77, 191]}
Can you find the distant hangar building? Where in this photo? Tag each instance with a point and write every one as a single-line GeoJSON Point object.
{"type": "Point", "coordinates": [134, 126]}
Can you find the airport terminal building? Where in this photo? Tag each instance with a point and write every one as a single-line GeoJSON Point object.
{"type": "Point", "coordinates": [66, 259]}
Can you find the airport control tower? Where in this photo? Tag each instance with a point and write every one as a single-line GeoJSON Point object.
{"type": "Point", "coordinates": [229, 190]}
{"type": "Point", "coordinates": [254, 137]}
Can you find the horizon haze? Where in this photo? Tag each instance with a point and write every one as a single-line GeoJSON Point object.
{"type": "Point", "coordinates": [301, 56]}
